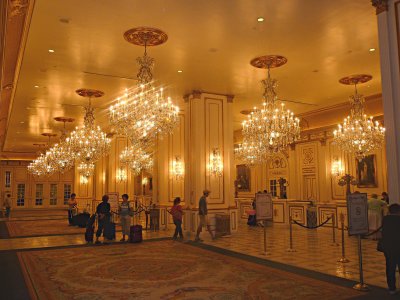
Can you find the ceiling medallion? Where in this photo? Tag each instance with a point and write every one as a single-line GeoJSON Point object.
{"type": "Point", "coordinates": [268, 61]}
{"type": "Point", "coordinates": [355, 79]}
{"type": "Point", "coordinates": [145, 36]}
{"type": "Point", "coordinates": [271, 128]}
{"type": "Point", "coordinates": [358, 135]}
{"type": "Point", "coordinates": [88, 93]}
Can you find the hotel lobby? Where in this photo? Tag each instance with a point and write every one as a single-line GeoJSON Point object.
{"type": "Point", "coordinates": [270, 126]}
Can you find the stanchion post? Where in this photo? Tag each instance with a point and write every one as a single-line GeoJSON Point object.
{"type": "Point", "coordinates": [265, 237]}
{"type": "Point", "coordinates": [361, 286]}
{"type": "Point", "coordinates": [291, 249]}
{"type": "Point", "coordinates": [334, 243]}
{"type": "Point", "coordinates": [343, 259]}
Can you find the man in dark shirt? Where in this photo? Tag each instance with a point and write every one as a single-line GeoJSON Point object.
{"type": "Point", "coordinates": [391, 245]}
{"type": "Point", "coordinates": [103, 213]}
{"type": "Point", "coordinates": [203, 222]}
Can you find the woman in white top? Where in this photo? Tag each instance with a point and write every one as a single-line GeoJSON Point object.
{"type": "Point", "coordinates": [125, 216]}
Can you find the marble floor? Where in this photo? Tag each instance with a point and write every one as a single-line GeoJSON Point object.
{"type": "Point", "coordinates": [313, 248]}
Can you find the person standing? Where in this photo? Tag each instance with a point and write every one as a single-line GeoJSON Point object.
{"type": "Point", "coordinates": [391, 245]}
{"type": "Point", "coordinates": [125, 213]}
{"type": "Point", "coordinates": [375, 214]}
{"type": "Point", "coordinates": [385, 197]}
{"type": "Point", "coordinates": [7, 204]}
{"type": "Point", "coordinates": [203, 222]}
{"type": "Point", "coordinates": [103, 213]}
{"type": "Point", "coordinates": [72, 205]}
{"type": "Point", "coordinates": [177, 213]}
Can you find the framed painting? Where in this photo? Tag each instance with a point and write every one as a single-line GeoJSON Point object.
{"type": "Point", "coordinates": [243, 178]}
{"type": "Point", "coordinates": [366, 172]}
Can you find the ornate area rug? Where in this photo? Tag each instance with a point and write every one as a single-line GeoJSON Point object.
{"type": "Point", "coordinates": [41, 227]}
{"type": "Point", "coordinates": [162, 270]}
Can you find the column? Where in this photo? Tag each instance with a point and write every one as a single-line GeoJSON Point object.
{"type": "Point", "coordinates": [209, 126]}
{"type": "Point", "coordinates": [388, 16]}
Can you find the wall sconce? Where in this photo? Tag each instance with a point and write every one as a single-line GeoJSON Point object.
{"type": "Point", "coordinates": [145, 180]}
{"type": "Point", "coordinates": [121, 175]}
{"type": "Point", "coordinates": [177, 168]}
{"type": "Point", "coordinates": [337, 168]}
{"type": "Point", "coordinates": [84, 179]}
{"type": "Point", "coordinates": [216, 166]}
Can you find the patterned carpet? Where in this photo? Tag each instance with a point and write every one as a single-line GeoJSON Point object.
{"type": "Point", "coordinates": [41, 227]}
{"type": "Point", "coordinates": [162, 270]}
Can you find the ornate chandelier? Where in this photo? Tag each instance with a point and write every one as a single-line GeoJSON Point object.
{"type": "Point", "coordinates": [59, 156]}
{"type": "Point", "coordinates": [43, 165]}
{"type": "Point", "coordinates": [136, 159]}
{"type": "Point", "coordinates": [358, 135]}
{"type": "Point", "coordinates": [250, 153]}
{"type": "Point", "coordinates": [144, 113]}
{"type": "Point", "coordinates": [88, 143]}
{"type": "Point", "coordinates": [86, 169]}
{"type": "Point", "coordinates": [271, 128]}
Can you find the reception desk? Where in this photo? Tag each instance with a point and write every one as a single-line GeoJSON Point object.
{"type": "Point", "coordinates": [298, 210]}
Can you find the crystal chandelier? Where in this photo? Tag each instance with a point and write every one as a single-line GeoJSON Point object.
{"type": "Point", "coordinates": [88, 143]}
{"type": "Point", "coordinates": [216, 166]}
{"type": "Point", "coordinates": [136, 159]}
{"type": "Point", "coordinates": [59, 155]}
{"type": "Point", "coordinates": [86, 169]}
{"type": "Point", "coordinates": [272, 128]}
{"type": "Point", "coordinates": [144, 113]}
{"type": "Point", "coordinates": [43, 165]}
{"type": "Point", "coordinates": [250, 153]}
{"type": "Point", "coordinates": [358, 135]}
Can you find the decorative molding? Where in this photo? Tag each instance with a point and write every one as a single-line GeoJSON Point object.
{"type": "Point", "coordinates": [17, 8]}
{"type": "Point", "coordinates": [380, 5]}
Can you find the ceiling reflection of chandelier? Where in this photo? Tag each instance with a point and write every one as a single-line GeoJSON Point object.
{"type": "Point", "coordinates": [271, 128]}
{"type": "Point", "coordinates": [358, 134]}
{"type": "Point", "coordinates": [88, 143]}
{"type": "Point", "coordinates": [136, 159]}
{"type": "Point", "coordinates": [144, 113]}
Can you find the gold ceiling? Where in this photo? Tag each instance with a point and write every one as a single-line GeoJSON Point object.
{"type": "Point", "coordinates": [211, 41]}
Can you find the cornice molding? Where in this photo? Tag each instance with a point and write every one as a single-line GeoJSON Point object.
{"type": "Point", "coordinates": [380, 5]}
{"type": "Point", "coordinates": [196, 94]}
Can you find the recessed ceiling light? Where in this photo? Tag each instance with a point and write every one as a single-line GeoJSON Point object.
{"type": "Point", "coordinates": [372, 49]}
{"type": "Point", "coordinates": [22, 122]}
{"type": "Point", "coordinates": [260, 19]}
{"type": "Point", "coordinates": [36, 86]}
{"type": "Point", "coordinates": [180, 71]}
{"type": "Point", "coordinates": [51, 50]}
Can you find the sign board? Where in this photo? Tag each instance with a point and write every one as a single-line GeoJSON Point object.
{"type": "Point", "coordinates": [357, 211]}
{"type": "Point", "coordinates": [113, 200]}
{"type": "Point", "coordinates": [264, 206]}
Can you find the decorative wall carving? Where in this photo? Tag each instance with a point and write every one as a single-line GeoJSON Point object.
{"type": "Point", "coordinates": [380, 5]}
{"type": "Point", "coordinates": [17, 8]}
{"type": "Point", "coordinates": [308, 157]}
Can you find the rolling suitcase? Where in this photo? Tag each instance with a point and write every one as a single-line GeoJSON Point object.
{"type": "Point", "coordinates": [109, 231]}
{"type": "Point", "coordinates": [135, 234]}
{"type": "Point", "coordinates": [89, 234]}
{"type": "Point", "coordinates": [80, 220]}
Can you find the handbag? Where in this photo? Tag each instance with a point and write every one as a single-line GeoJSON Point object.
{"type": "Point", "coordinates": [379, 245]}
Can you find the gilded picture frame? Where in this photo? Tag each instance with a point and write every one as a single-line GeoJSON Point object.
{"type": "Point", "coordinates": [243, 176]}
{"type": "Point", "coordinates": [366, 172]}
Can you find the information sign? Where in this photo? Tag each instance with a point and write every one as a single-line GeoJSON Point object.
{"type": "Point", "coordinates": [357, 211]}
{"type": "Point", "coordinates": [264, 206]}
